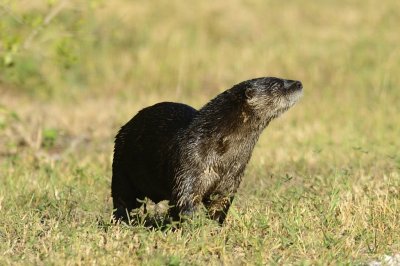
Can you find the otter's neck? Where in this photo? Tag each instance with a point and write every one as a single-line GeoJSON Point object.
{"type": "Point", "coordinates": [229, 117]}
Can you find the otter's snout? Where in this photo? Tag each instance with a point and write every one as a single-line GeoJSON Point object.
{"type": "Point", "coordinates": [293, 85]}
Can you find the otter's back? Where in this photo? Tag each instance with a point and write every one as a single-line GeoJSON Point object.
{"type": "Point", "coordinates": [140, 147]}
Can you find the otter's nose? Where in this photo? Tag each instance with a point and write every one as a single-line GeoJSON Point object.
{"type": "Point", "coordinates": [293, 85]}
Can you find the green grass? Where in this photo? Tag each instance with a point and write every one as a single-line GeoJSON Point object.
{"type": "Point", "coordinates": [323, 185]}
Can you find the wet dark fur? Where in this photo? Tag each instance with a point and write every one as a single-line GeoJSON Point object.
{"type": "Point", "coordinates": [170, 151]}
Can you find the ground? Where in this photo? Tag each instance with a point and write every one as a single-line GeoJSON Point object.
{"type": "Point", "coordinates": [322, 187]}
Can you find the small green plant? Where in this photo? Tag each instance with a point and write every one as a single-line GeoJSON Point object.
{"type": "Point", "coordinates": [49, 137]}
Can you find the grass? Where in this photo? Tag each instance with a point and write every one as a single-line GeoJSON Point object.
{"type": "Point", "coordinates": [323, 185]}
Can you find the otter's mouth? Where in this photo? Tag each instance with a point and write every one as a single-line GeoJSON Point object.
{"type": "Point", "coordinates": [294, 91]}
{"type": "Point", "coordinates": [292, 85]}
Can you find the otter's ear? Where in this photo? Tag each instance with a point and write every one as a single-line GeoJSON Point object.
{"type": "Point", "coordinates": [249, 92]}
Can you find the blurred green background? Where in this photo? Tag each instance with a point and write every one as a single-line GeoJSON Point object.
{"type": "Point", "coordinates": [52, 48]}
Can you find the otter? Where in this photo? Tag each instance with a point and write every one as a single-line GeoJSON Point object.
{"type": "Point", "coordinates": [171, 151]}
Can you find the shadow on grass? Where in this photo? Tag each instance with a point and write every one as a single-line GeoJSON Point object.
{"type": "Point", "coordinates": [160, 222]}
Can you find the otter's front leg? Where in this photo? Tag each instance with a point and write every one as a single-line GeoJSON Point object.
{"type": "Point", "coordinates": [180, 212]}
{"type": "Point", "coordinates": [184, 204]}
{"type": "Point", "coordinates": [188, 194]}
{"type": "Point", "coordinates": [217, 206]}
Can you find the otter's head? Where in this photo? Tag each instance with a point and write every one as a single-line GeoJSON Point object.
{"type": "Point", "coordinates": [270, 97]}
